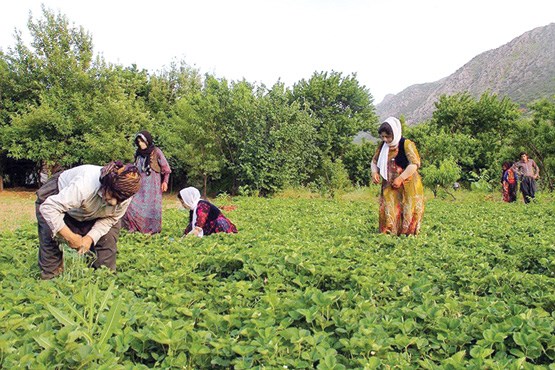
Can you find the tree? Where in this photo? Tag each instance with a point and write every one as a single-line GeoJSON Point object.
{"type": "Point", "coordinates": [341, 108]}
{"type": "Point", "coordinates": [357, 162]}
{"type": "Point", "coordinates": [482, 125]}
{"type": "Point", "coordinates": [73, 110]}
{"type": "Point", "coordinates": [442, 176]}
{"type": "Point", "coordinates": [536, 136]}
{"type": "Point", "coordinates": [193, 140]}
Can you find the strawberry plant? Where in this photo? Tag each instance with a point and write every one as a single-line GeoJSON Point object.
{"type": "Point", "coordinates": [306, 283]}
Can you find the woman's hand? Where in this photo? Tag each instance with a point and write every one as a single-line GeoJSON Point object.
{"type": "Point", "coordinates": [396, 184]}
{"type": "Point", "coordinates": [375, 177]}
{"type": "Point", "coordinates": [195, 232]}
{"type": "Point", "coordinates": [164, 187]}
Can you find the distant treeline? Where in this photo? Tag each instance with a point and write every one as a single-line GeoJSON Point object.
{"type": "Point", "coordinates": [61, 105]}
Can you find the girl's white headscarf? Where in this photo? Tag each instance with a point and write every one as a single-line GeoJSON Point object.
{"type": "Point", "coordinates": [191, 197]}
{"type": "Point", "coordinates": [384, 153]}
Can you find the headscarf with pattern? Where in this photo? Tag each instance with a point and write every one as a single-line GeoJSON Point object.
{"type": "Point", "coordinates": [150, 161]}
{"type": "Point", "coordinates": [123, 180]}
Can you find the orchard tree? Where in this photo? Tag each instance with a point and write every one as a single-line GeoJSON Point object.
{"type": "Point", "coordinates": [192, 140]}
{"type": "Point", "coordinates": [442, 176]}
{"type": "Point", "coordinates": [434, 145]}
{"type": "Point", "coordinates": [279, 149]}
{"type": "Point", "coordinates": [73, 110]}
{"type": "Point", "coordinates": [357, 162]}
{"type": "Point", "coordinates": [536, 136]}
{"type": "Point", "coordinates": [341, 108]}
{"type": "Point", "coordinates": [166, 87]}
{"type": "Point", "coordinates": [483, 125]}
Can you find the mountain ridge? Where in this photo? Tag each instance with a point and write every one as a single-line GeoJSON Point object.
{"type": "Point", "coordinates": [522, 69]}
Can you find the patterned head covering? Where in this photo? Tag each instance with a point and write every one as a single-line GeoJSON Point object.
{"type": "Point", "coordinates": [150, 161]}
{"type": "Point", "coordinates": [123, 180]}
{"type": "Point", "coordinates": [147, 138]}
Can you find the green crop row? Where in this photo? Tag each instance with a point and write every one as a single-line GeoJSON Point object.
{"type": "Point", "coordinates": [306, 283]}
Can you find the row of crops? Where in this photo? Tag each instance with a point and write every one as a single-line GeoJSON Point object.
{"type": "Point", "coordinates": [307, 283]}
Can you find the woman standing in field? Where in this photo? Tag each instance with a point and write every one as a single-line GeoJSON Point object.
{"type": "Point", "coordinates": [204, 217]}
{"type": "Point", "coordinates": [145, 211]}
{"type": "Point", "coordinates": [396, 162]}
{"type": "Point", "coordinates": [509, 182]}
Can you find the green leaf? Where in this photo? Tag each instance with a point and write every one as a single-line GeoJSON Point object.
{"type": "Point", "coordinates": [112, 322]}
{"type": "Point", "coordinates": [62, 317]}
{"type": "Point", "coordinates": [72, 308]}
{"type": "Point", "coordinates": [243, 350]}
{"type": "Point", "coordinates": [44, 341]}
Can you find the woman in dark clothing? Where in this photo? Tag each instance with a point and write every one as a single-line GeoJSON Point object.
{"type": "Point", "coordinates": [509, 182]}
{"type": "Point", "coordinates": [144, 214]}
{"type": "Point", "coordinates": [204, 217]}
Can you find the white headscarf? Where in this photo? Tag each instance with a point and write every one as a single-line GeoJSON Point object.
{"type": "Point", "coordinates": [191, 197]}
{"type": "Point", "coordinates": [384, 153]}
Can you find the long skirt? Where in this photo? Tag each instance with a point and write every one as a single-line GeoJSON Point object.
{"type": "Point", "coordinates": [509, 191]}
{"type": "Point", "coordinates": [144, 214]}
{"type": "Point", "coordinates": [220, 225]}
{"type": "Point", "coordinates": [401, 209]}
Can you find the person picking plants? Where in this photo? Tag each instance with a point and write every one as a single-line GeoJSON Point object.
{"type": "Point", "coordinates": [204, 217]}
{"type": "Point", "coordinates": [83, 205]}
{"type": "Point", "coordinates": [396, 163]}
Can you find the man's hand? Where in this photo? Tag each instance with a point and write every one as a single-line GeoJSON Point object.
{"type": "Point", "coordinates": [73, 240]}
{"type": "Point", "coordinates": [85, 245]}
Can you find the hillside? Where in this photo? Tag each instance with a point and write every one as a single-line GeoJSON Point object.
{"type": "Point", "coordinates": [523, 70]}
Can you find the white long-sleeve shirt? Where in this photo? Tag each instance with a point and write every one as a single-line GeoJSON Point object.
{"type": "Point", "coordinates": [80, 197]}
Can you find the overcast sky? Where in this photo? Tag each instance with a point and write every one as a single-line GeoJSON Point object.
{"type": "Point", "coordinates": [389, 44]}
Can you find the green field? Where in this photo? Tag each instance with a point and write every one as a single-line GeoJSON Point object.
{"type": "Point", "coordinates": [307, 283]}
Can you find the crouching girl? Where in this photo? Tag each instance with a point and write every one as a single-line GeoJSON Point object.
{"type": "Point", "coordinates": [204, 217]}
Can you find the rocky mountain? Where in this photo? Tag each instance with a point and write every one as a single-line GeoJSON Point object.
{"type": "Point", "coordinates": [523, 70]}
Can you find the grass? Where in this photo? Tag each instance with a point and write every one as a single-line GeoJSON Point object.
{"type": "Point", "coordinates": [17, 207]}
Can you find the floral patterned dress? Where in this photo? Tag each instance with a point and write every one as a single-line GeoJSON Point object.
{"type": "Point", "coordinates": [144, 214]}
{"type": "Point", "coordinates": [401, 209]}
{"type": "Point", "coordinates": [509, 181]}
{"type": "Point", "coordinates": [210, 219]}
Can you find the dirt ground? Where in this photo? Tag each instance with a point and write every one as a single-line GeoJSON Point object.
{"type": "Point", "coordinates": [17, 207]}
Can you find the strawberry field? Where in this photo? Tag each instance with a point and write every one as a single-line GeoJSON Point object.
{"type": "Point", "coordinates": [307, 283]}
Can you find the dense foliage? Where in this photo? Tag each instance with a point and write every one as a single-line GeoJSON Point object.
{"type": "Point", "coordinates": [60, 106]}
{"type": "Point", "coordinates": [480, 134]}
{"type": "Point", "coordinates": [307, 283]}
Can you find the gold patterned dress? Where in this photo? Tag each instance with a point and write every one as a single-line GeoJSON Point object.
{"type": "Point", "coordinates": [401, 209]}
